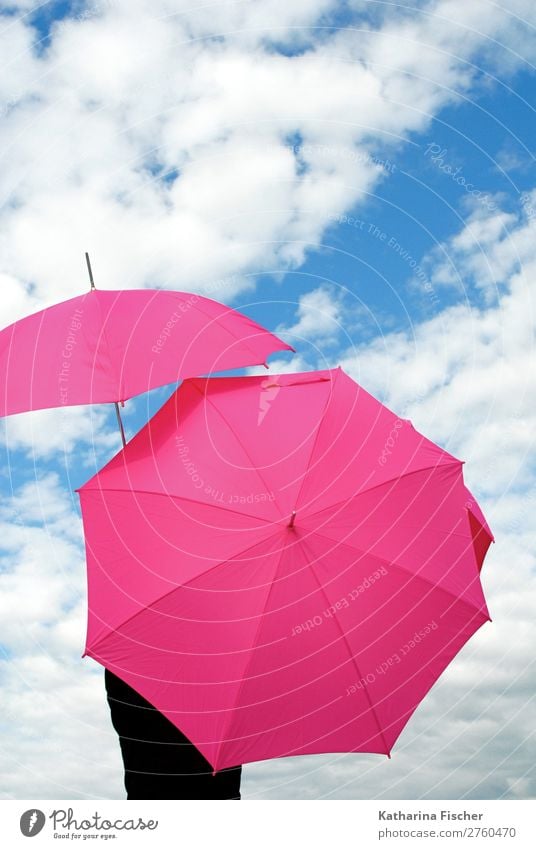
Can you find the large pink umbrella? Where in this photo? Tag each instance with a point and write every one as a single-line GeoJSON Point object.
{"type": "Point", "coordinates": [107, 346]}
{"type": "Point", "coordinates": [282, 566]}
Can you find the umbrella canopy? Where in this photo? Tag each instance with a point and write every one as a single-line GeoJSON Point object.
{"type": "Point", "coordinates": [107, 346]}
{"type": "Point", "coordinates": [281, 566]}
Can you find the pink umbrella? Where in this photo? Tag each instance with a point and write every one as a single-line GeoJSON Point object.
{"type": "Point", "coordinates": [281, 566]}
{"type": "Point", "coordinates": [107, 346]}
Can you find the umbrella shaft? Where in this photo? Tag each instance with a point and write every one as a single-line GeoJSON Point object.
{"type": "Point", "coordinates": [90, 271]}
{"type": "Point", "coordinates": [120, 423]}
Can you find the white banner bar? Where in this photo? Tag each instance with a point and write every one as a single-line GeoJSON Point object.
{"type": "Point", "coordinates": [270, 824]}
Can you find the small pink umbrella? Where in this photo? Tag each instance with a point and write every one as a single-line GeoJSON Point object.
{"type": "Point", "coordinates": [282, 566]}
{"type": "Point", "coordinates": [107, 346]}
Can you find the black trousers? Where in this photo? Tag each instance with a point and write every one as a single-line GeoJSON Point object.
{"type": "Point", "coordinates": [160, 762]}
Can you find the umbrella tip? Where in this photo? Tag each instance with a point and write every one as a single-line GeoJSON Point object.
{"type": "Point", "coordinates": [292, 518]}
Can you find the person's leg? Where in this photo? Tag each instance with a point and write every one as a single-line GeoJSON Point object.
{"type": "Point", "coordinates": [159, 761]}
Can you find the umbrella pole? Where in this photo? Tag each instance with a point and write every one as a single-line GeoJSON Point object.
{"type": "Point", "coordinates": [90, 271]}
{"type": "Point", "coordinates": [118, 414]}
{"type": "Point", "coordinates": [120, 423]}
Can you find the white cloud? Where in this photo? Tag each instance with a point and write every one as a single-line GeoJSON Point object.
{"type": "Point", "coordinates": [51, 433]}
{"type": "Point", "coordinates": [16, 300]}
{"type": "Point", "coordinates": [24, 5]}
{"type": "Point", "coordinates": [54, 703]}
{"type": "Point", "coordinates": [319, 317]}
{"type": "Point", "coordinates": [127, 90]}
{"type": "Point", "coordinates": [466, 377]}
{"type": "Point", "coordinates": [488, 250]}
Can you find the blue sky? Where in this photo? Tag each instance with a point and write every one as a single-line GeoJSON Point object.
{"type": "Point", "coordinates": [364, 185]}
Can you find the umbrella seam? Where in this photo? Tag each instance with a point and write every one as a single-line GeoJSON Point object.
{"type": "Point", "coordinates": [442, 589]}
{"type": "Point", "coordinates": [35, 354]}
{"type": "Point", "coordinates": [347, 499]}
{"type": "Point", "coordinates": [426, 526]}
{"type": "Point", "coordinates": [232, 430]}
{"type": "Point", "coordinates": [216, 319]}
{"type": "Point", "coordinates": [178, 497]}
{"type": "Point", "coordinates": [174, 589]}
{"type": "Point", "coordinates": [322, 418]}
{"type": "Point", "coordinates": [406, 571]}
{"type": "Point", "coordinates": [351, 654]}
{"type": "Point", "coordinates": [226, 728]}
{"type": "Point", "coordinates": [466, 537]}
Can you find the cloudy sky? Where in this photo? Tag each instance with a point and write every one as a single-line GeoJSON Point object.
{"type": "Point", "coordinates": [356, 175]}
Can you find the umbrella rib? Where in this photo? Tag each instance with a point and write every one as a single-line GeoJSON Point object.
{"type": "Point", "coordinates": [248, 663]}
{"type": "Point", "coordinates": [322, 418]}
{"type": "Point", "coordinates": [442, 589]}
{"type": "Point", "coordinates": [243, 447]}
{"type": "Point", "coordinates": [403, 569]}
{"type": "Point", "coordinates": [178, 587]}
{"type": "Point", "coordinates": [216, 319]}
{"type": "Point", "coordinates": [350, 652]}
{"type": "Point", "coordinates": [350, 498]}
{"type": "Point", "coordinates": [177, 497]}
